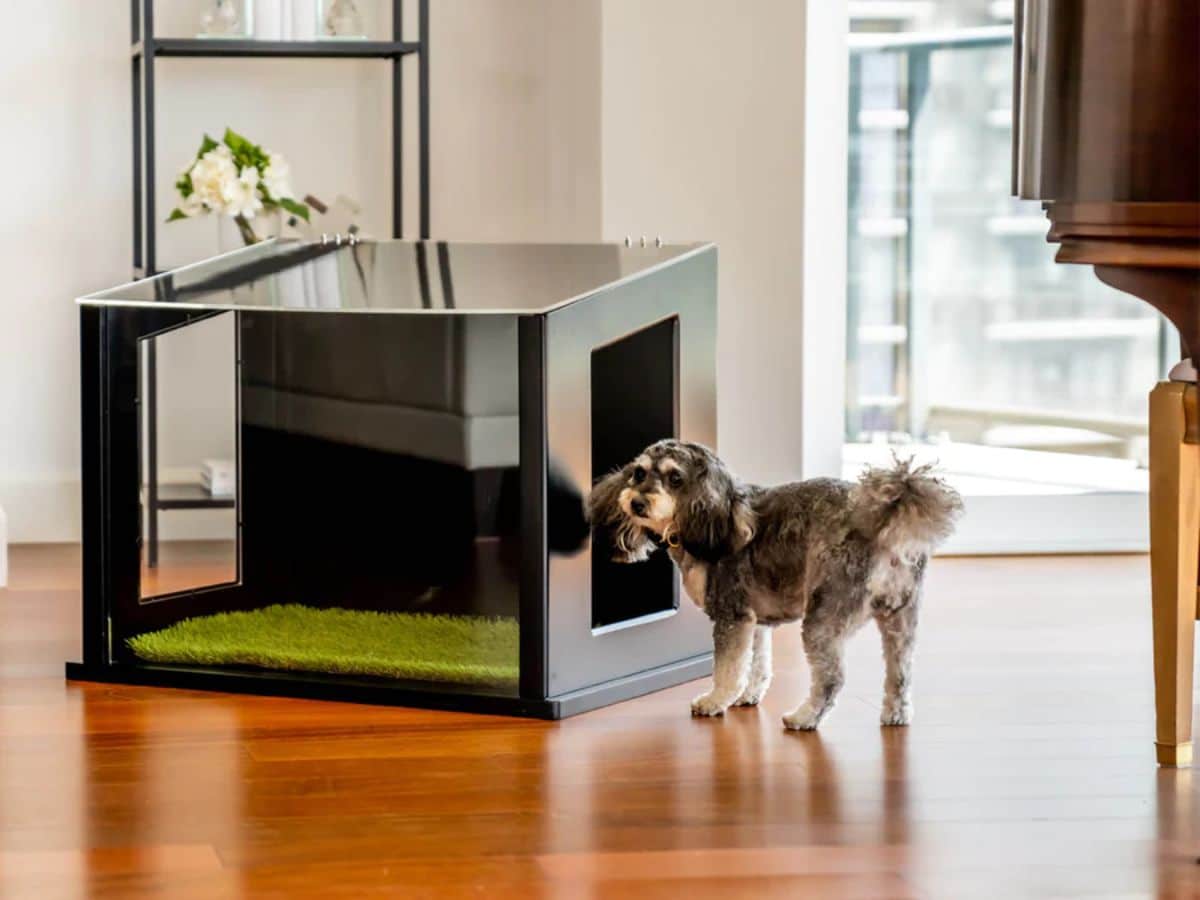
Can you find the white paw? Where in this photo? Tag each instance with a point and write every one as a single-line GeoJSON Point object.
{"type": "Point", "coordinates": [751, 696]}
{"type": "Point", "coordinates": [708, 705]}
{"type": "Point", "coordinates": [896, 712]}
{"type": "Point", "coordinates": [802, 718]}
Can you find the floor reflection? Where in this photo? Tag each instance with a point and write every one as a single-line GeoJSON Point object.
{"type": "Point", "coordinates": [162, 788]}
{"type": "Point", "coordinates": [1177, 807]}
{"type": "Point", "coordinates": [695, 802]}
{"type": "Point", "coordinates": [189, 565]}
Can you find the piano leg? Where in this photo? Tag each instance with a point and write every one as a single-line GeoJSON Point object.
{"type": "Point", "coordinates": [1174, 559]}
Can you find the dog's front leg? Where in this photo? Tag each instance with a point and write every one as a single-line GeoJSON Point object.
{"type": "Point", "coordinates": [732, 643]}
{"type": "Point", "coordinates": [760, 669]}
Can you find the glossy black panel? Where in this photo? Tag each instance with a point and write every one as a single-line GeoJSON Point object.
{"type": "Point", "coordinates": [380, 462]}
{"type": "Point", "coordinates": [634, 383]}
{"type": "Point", "coordinates": [396, 276]}
{"type": "Point", "coordinates": [579, 654]}
{"type": "Point", "coordinates": [379, 470]}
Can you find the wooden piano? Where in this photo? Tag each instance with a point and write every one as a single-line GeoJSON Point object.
{"type": "Point", "coordinates": [1107, 135]}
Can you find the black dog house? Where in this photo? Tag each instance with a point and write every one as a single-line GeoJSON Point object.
{"type": "Point", "coordinates": [356, 471]}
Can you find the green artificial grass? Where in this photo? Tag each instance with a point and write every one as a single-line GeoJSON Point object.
{"type": "Point", "coordinates": [464, 649]}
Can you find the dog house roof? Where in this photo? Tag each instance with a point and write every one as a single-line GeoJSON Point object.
{"type": "Point", "coordinates": [396, 277]}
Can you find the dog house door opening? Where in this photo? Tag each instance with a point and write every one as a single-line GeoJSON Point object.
{"type": "Point", "coordinates": [635, 395]}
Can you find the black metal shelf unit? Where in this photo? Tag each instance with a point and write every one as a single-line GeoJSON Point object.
{"type": "Point", "coordinates": [145, 48]}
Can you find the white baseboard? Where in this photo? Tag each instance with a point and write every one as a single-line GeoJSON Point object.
{"type": "Point", "coordinates": [3, 548]}
{"type": "Point", "coordinates": [47, 511]}
{"type": "Point", "coordinates": [1072, 523]}
{"type": "Point", "coordinates": [41, 510]}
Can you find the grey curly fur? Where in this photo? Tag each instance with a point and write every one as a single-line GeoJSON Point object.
{"type": "Point", "coordinates": [825, 552]}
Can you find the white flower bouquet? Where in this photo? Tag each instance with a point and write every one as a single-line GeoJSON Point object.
{"type": "Point", "coordinates": [235, 178]}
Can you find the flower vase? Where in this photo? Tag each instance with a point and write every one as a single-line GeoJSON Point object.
{"type": "Point", "coordinates": [224, 19]}
{"type": "Point", "coordinates": [233, 234]}
{"type": "Point", "coordinates": [341, 19]}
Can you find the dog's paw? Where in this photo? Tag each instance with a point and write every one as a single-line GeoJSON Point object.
{"type": "Point", "coordinates": [752, 696]}
{"type": "Point", "coordinates": [896, 712]}
{"type": "Point", "coordinates": [707, 705]}
{"type": "Point", "coordinates": [802, 718]}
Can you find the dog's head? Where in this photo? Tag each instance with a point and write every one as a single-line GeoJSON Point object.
{"type": "Point", "coordinates": [678, 492]}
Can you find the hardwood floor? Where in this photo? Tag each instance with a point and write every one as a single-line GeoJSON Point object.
{"type": "Point", "coordinates": [1029, 772]}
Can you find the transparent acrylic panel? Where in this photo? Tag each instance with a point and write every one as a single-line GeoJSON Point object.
{"type": "Point", "coordinates": [189, 458]}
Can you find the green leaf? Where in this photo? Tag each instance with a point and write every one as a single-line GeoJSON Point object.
{"type": "Point", "coordinates": [245, 152]}
{"type": "Point", "coordinates": [294, 207]}
{"type": "Point", "coordinates": [206, 145]}
{"type": "Point", "coordinates": [234, 141]}
{"type": "Point", "coordinates": [184, 185]}
{"type": "Point", "coordinates": [176, 215]}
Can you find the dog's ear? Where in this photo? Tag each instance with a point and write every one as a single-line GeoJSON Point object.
{"type": "Point", "coordinates": [627, 541]}
{"type": "Point", "coordinates": [602, 503]}
{"type": "Point", "coordinates": [717, 521]}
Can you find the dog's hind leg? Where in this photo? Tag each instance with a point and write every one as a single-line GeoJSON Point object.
{"type": "Point", "coordinates": [732, 650]}
{"type": "Point", "coordinates": [824, 636]}
{"type": "Point", "coordinates": [760, 668]}
{"type": "Point", "coordinates": [898, 628]}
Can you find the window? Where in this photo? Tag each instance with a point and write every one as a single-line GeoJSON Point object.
{"type": "Point", "coordinates": [965, 340]}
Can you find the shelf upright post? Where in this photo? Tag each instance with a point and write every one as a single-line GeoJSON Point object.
{"type": "Point", "coordinates": [135, 35]}
{"type": "Point", "coordinates": [147, 112]}
{"type": "Point", "coordinates": [398, 122]}
{"type": "Point", "coordinates": [145, 249]}
{"type": "Point", "coordinates": [423, 115]}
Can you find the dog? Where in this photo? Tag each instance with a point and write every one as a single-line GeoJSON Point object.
{"type": "Point", "coordinates": [824, 552]}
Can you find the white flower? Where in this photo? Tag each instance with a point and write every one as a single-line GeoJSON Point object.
{"type": "Point", "coordinates": [241, 194]}
{"type": "Point", "coordinates": [192, 205]}
{"type": "Point", "coordinates": [277, 176]}
{"type": "Point", "coordinates": [212, 177]}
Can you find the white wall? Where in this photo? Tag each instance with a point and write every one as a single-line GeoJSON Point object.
{"type": "Point", "coordinates": [704, 138]}
{"type": "Point", "coordinates": [551, 119]}
{"type": "Point", "coordinates": [515, 112]}
{"type": "Point", "coordinates": [64, 75]}
{"type": "Point", "coordinates": [516, 156]}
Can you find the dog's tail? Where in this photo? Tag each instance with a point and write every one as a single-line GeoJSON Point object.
{"type": "Point", "coordinates": [906, 510]}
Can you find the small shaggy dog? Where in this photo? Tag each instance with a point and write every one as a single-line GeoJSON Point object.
{"type": "Point", "coordinates": [824, 552]}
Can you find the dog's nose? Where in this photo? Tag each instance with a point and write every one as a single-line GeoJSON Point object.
{"type": "Point", "coordinates": [638, 507]}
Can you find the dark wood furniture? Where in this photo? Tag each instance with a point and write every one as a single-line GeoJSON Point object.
{"type": "Point", "coordinates": [1108, 135]}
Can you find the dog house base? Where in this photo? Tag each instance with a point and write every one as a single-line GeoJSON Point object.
{"type": "Point", "coordinates": [313, 686]}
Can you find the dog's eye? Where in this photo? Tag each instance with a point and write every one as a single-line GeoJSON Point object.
{"type": "Point", "coordinates": [639, 475]}
{"type": "Point", "coordinates": [675, 480]}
